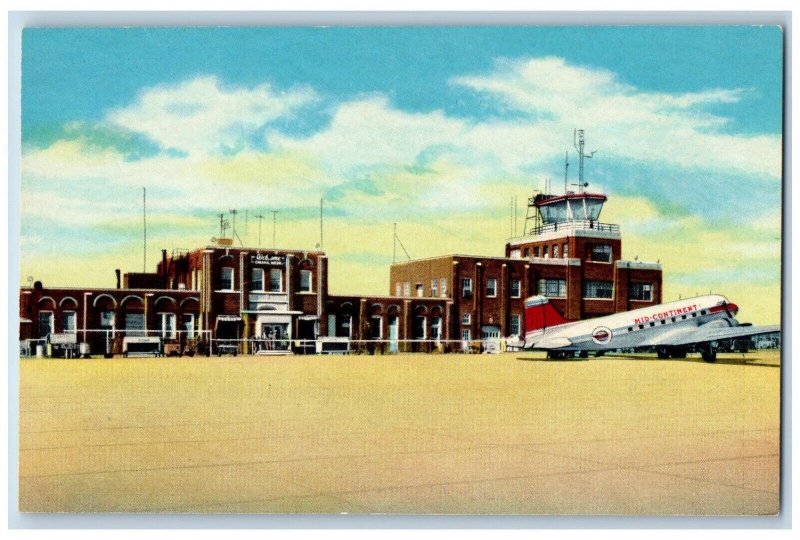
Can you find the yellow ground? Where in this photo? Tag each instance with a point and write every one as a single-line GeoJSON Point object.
{"type": "Point", "coordinates": [507, 433]}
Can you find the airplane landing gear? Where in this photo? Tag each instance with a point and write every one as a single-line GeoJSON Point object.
{"type": "Point", "coordinates": [709, 353]}
{"type": "Point", "coordinates": [662, 353]}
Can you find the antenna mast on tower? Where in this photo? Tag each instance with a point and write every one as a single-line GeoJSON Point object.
{"type": "Point", "coordinates": [578, 142]}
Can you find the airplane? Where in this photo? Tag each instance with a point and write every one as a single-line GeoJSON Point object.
{"type": "Point", "coordinates": [671, 328]}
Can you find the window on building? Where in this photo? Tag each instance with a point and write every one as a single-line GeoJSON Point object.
{"type": "Point", "coordinates": [107, 320]}
{"type": "Point", "coordinates": [45, 323]}
{"type": "Point", "coordinates": [376, 327]}
{"type": "Point", "coordinates": [226, 284]}
{"type": "Point", "coordinates": [305, 280]}
{"type": "Point", "coordinates": [515, 326]}
{"type": "Point", "coordinates": [187, 325]}
{"type": "Point", "coordinates": [275, 280]}
{"type": "Point", "coordinates": [398, 289]}
{"type": "Point", "coordinates": [515, 254]}
{"type": "Point", "coordinates": [546, 251]}
{"type": "Point", "coordinates": [601, 253]}
{"type": "Point", "coordinates": [553, 288]}
{"type": "Point", "coordinates": [641, 291]}
{"type": "Point", "coordinates": [70, 322]}
{"type": "Point", "coordinates": [555, 251]}
{"type": "Point", "coordinates": [434, 288]}
{"type": "Point", "coordinates": [516, 288]}
{"type": "Point", "coordinates": [436, 328]}
{"type": "Point", "coordinates": [491, 287]}
{"type": "Point", "coordinates": [168, 330]}
{"type": "Point", "coordinates": [332, 324]}
{"type": "Point", "coordinates": [418, 329]}
{"type": "Point", "coordinates": [134, 324]}
{"type": "Point", "coordinates": [465, 334]}
{"type": "Point", "coordinates": [565, 250]}
{"type": "Point", "coordinates": [420, 290]}
{"type": "Point", "coordinates": [466, 318]}
{"type": "Point", "coordinates": [526, 252]}
{"type": "Point", "coordinates": [598, 289]}
{"type": "Point", "coordinates": [406, 289]}
{"type": "Point", "coordinates": [536, 251]}
{"type": "Point", "coordinates": [443, 287]}
{"type": "Point", "coordinates": [257, 279]}
{"type": "Point", "coordinates": [466, 287]}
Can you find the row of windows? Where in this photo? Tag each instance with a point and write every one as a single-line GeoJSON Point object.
{"type": "Point", "coordinates": [552, 288]}
{"type": "Point", "coordinates": [275, 284]}
{"type": "Point", "coordinates": [597, 252]}
{"type": "Point", "coordinates": [515, 323]}
{"type": "Point", "coordinates": [557, 250]}
{"type": "Point", "coordinates": [557, 288]}
{"type": "Point", "coordinates": [134, 323]}
{"type": "Point", "coordinates": [438, 288]}
{"type": "Point", "coordinates": [491, 288]}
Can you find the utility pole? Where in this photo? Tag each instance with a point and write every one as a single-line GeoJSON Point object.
{"type": "Point", "coordinates": [274, 219]}
{"type": "Point", "coordinates": [260, 217]}
{"type": "Point", "coordinates": [144, 217]}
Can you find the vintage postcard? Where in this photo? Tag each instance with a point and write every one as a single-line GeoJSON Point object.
{"type": "Point", "coordinates": [526, 270]}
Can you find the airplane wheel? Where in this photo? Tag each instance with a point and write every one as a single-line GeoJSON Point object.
{"type": "Point", "coordinates": [584, 354]}
{"type": "Point", "coordinates": [662, 353]}
{"type": "Point", "coordinates": [598, 354]}
{"type": "Point", "coordinates": [709, 354]}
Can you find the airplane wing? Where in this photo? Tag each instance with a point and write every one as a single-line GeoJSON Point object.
{"type": "Point", "coordinates": [705, 334]}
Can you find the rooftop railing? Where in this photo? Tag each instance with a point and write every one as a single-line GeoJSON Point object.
{"type": "Point", "coordinates": [574, 225]}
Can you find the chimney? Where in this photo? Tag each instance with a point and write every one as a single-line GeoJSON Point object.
{"type": "Point", "coordinates": [118, 278]}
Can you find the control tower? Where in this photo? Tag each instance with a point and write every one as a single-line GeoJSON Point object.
{"type": "Point", "coordinates": [568, 225]}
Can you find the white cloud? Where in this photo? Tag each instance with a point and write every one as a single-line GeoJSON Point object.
{"type": "Point", "coordinates": [201, 116]}
{"type": "Point", "coordinates": [627, 122]}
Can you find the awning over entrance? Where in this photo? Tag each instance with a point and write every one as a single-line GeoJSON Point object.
{"type": "Point", "coordinates": [308, 318]}
{"type": "Point", "coordinates": [228, 318]}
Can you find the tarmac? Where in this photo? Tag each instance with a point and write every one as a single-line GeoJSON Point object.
{"type": "Point", "coordinates": [406, 434]}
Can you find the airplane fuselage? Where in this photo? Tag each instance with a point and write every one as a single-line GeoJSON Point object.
{"type": "Point", "coordinates": [636, 328]}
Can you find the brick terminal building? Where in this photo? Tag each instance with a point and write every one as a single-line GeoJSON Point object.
{"type": "Point", "coordinates": [277, 301]}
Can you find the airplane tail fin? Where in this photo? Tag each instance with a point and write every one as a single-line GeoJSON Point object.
{"type": "Point", "coordinates": [540, 315]}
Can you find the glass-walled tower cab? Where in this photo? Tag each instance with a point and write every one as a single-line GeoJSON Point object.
{"type": "Point", "coordinates": [566, 226]}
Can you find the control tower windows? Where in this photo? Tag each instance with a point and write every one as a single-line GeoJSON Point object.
{"type": "Point", "coordinates": [601, 253]}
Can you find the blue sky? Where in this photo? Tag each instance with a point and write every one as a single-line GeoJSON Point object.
{"type": "Point", "coordinates": [435, 128]}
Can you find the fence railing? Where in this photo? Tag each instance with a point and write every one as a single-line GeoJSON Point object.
{"type": "Point", "coordinates": [109, 343]}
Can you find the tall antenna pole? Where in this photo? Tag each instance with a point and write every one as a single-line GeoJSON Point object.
{"type": "Point", "coordinates": [578, 142]}
{"type": "Point", "coordinates": [260, 217]}
{"type": "Point", "coordinates": [234, 212]}
{"type": "Point", "coordinates": [274, 219]}
{"type": "Point", "coordinates": [512, 216]}
{"type": "Point", "coordinates": [222, 225]}
{"type": "Point", "coordinates": [566, 169]}
{"type": "Point", "coordinates": [144, 218]}
{"type": "Point", "coordinates": [320, 223]}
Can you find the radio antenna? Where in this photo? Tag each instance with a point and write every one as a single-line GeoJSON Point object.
{"type": "Point", "coordinates": [579, 142]}
{"type": "Point", "coordinates": [144, 219]}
